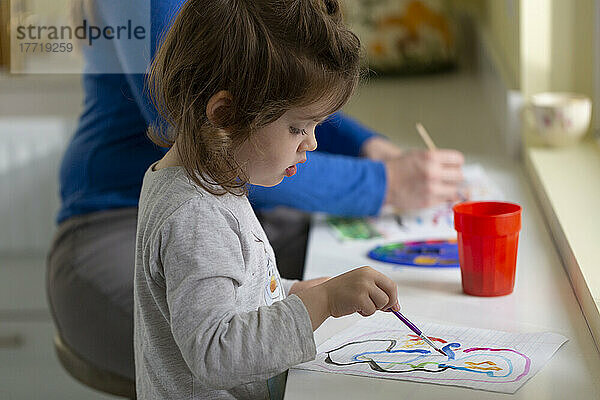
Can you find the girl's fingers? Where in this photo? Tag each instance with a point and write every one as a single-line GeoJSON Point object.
{"type": "Point", "coordinates": [367, 307]}
{"type": "Point", "coordinates": [390, 289]}
{"type": "Point", "coordinates": [379, 297]}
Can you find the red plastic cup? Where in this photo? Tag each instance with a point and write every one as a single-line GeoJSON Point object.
{"type": "Point", "coordinates": [488, 234]}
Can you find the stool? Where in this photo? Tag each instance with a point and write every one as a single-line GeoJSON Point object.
{"type": "Point", "coordinates": [90, 375]}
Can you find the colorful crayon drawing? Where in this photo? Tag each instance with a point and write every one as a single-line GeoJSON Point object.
{"type": "Point", "coordinates": [475, 358]}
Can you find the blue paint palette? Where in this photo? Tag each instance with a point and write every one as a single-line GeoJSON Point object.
{"type": "Point", "coordinates": [429, 253]}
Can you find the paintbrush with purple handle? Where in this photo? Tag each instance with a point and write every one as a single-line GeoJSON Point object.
{"type": "Point", "coordinates": [416, 330]}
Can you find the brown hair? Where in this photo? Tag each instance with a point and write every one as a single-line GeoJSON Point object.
{"type": "Point", "coordinates": [270, 56]}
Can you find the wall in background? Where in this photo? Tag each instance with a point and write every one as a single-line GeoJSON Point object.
{"type": "Point", "coordinates": [30, 154]}
{"type": "Point", "coordinates": [557, 47]}
{"type": "Point", "coordinates": [497, 23]}
{"type": "Point", "coordinates": [500, 22]}
{"type": "Point", "coordinates": [41, 94]}
{"type": "Point", "coordinates": [551, 39]}
{"type": "Point", "coordinates": [538, 45]}
{"type": "Point", "coordinates": [38, 114]}
{"type": "Point", "coordinates": [572, 32]}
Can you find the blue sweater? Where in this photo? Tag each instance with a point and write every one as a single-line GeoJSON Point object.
{"type": "Point", "coordinates": [105, 161]}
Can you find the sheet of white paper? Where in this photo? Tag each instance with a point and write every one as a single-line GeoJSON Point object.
{"type": "Point", "coordinates": [381, 346]}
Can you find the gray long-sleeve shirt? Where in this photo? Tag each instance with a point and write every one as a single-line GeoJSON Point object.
{"type": "Point", "coordinates": [211, 315]}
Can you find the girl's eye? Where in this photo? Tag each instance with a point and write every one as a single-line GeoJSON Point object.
{"type": "Point", "coordinates": [297, 131]}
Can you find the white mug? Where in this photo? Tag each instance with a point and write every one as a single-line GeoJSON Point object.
{"type": "Point", "coordinates": [559, 118]}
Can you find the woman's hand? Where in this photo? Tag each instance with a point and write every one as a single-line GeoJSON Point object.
{"type": "Point", "coordinates": [416, 178]}
{"type": "Point", "coordinates": [379, 148]}
{"type": "Point", "coordinates": [422, 178]}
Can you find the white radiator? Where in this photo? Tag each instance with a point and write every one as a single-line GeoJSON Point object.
{"type": "Point", "coordinates": [30, 153]}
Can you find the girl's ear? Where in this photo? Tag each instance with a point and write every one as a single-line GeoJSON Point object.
{"type": "Point", "coordinates": [217, 106]}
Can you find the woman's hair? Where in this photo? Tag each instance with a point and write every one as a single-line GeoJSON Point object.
{"type": "Point", "coordinates": [271, 56]}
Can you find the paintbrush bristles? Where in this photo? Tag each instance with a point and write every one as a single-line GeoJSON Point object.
{"type": "Point", "coordinates": [425, 136]}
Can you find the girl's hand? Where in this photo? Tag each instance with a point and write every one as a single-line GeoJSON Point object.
{"type": "Point", "coordinates": [422, 178]}
{"type": "Point", "coordinates": [303, 285]}
{"type": "Point", "coordinates": [362, 290]}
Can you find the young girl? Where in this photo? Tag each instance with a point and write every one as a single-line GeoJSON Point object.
{"type": "Point", "coordinates": [242, 85]}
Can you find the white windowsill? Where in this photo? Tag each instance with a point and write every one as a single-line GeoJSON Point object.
{"type": "Point", "coordinates": [567, 183]}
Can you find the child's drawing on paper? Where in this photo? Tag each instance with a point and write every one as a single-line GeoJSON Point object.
{"type": "Point", "coordinates": [410, 354]}
{"type": "Point", "coordinates": [475, 358]}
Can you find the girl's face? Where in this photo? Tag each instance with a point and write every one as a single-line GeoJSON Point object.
{"type": "Point", "coordinates": [274, 150]}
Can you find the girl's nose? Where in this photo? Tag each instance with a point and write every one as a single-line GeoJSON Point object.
{"type": "Point", "coordinates": [309, 143]}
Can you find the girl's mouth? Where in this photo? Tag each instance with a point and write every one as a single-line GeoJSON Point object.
{"type": "Point", "coordinates": [290, 171]}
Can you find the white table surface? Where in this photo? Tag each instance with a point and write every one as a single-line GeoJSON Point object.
{"type": "Point", "coordinates": [543, 299]}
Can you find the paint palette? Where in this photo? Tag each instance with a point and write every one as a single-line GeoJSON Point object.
{"type": "Point", "coordinates": [429, 253]}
